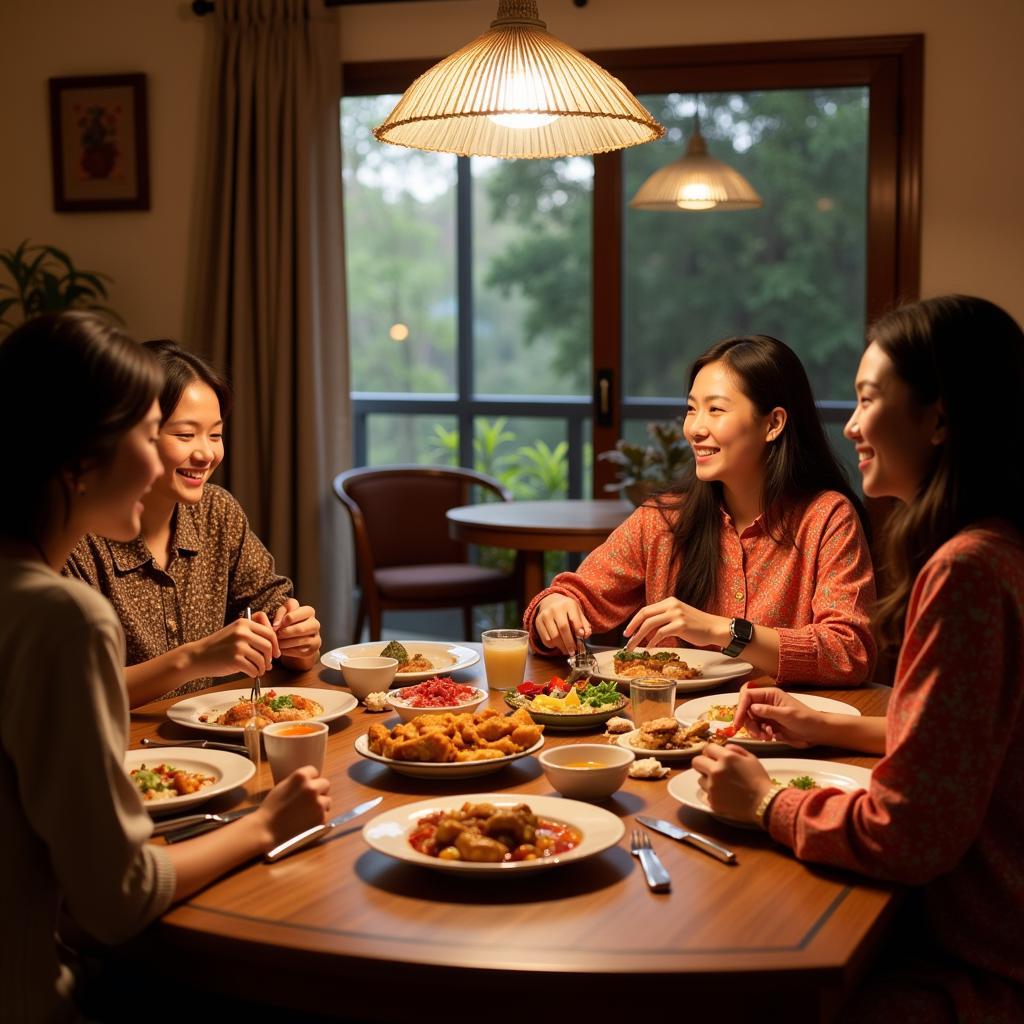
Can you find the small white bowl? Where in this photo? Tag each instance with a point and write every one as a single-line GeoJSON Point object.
{"type": "Point", "coordinates": [364, 676]}
{"type": "Point", "coordinates": [586, 783]}
{"type": "Point", "coordinates": [406, 712]}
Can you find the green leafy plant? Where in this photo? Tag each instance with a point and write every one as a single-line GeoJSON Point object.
{"type": "Point", "coordinates": [644, 469]}
{"type": "Point", "coordinates": [45, 280]}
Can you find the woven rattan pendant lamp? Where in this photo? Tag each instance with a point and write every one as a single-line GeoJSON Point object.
{"type": "Point", "coordinates": [696, 181]}
{"type": "Point", "coordinates": [518, 92]}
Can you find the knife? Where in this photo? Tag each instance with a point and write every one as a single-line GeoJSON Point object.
{"type": "Point", "coordinates": [312, 835]}
{"type": "Point", "coordinates": [694, 838]}
{"type": "Point", "coordinates": [235, 748]}
{"type": "Point", "coordinates": [177, 829]}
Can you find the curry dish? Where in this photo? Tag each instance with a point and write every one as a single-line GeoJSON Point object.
{"type": "Point", "coordinates": [486, 834]}
{"type": "Point", "coordinates": [288, 707]}
{"type": "Point", "coordinates": [446, 738]}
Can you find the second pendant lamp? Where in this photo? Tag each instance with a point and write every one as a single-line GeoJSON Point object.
{"type": "Point", "coordinates": [696, 181]}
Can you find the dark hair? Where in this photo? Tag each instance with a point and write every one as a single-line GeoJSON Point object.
{"type": "Point", "coordinates": [182, 368]}
{"type": "Point", "coordinates": [78, 384]}
{"type": "Point", "coordinates": [953, 350]}
{"type": "Point", "coordinates": [799, 462]}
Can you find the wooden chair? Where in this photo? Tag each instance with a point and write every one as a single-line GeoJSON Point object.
{"type": "Point", "coordinates": [404, 556]}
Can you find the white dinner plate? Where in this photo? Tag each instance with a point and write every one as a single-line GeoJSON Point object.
{"type": "Point", "coordinates": [445, 658]}
{"type": "Point", "coordinates": [215, 702]}
{"type": "Point", "coordinates": [229, 770]}
{"type": "Point", "coordinates": [442, 769]}
{"type": "Point", "coordinates": [628, 741]}
{"type": "Point", "coordinates": [849, 777]}
{"type": "Point", "coordinates": [715, 667]}
{"type": "Point", "coordinates": [388, 833]}
{"type": "Point", "coordinates": [689, 711]}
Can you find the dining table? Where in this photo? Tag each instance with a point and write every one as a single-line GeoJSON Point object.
{"type": "Point", "coordinates": [530, 528]}
{"type": "Point", "coordinates": [342, 930]}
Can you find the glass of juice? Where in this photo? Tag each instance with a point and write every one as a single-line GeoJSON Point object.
{"type": "Point", "coordinates": [651, 697]}
{"type": "Point", "coordinates": [504, 657]}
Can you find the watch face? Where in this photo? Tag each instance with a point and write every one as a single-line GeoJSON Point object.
{"type": "Point", "coordinates": [742, 630]}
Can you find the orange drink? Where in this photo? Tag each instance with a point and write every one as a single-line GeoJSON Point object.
{"type": "Point", "coordinates": [504, 657]}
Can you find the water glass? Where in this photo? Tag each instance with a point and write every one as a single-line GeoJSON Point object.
{"type": "Point", "coordinates": [651, 697]}
{"type": "Point", "coordinates": [505, 653]}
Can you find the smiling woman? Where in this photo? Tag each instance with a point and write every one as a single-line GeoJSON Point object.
{"type": "Point", "coordinates": [181, 586]}
{"type": "Point", "coordinates": [759, 550]}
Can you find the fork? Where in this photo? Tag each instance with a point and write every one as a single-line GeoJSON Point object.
{"type": "Point", "coordinates": [254, 692]}
{"type": "Point", "coordinates": [657, 877]}
{"type": "Point", "coordinates": [251, 732]}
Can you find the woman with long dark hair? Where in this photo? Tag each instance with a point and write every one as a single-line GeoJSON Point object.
{"type": "Point", "coordinates": [74, 826]}
{"type": "Point", "coordinates": [182, 586]}
{"type": "Point", "coordinates": [760, 550]}
{"type": "Point", "coordinates": [937, 426]}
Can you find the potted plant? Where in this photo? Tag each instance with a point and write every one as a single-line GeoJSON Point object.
{"type": "Point", "coordinates": [46, 281]}
{"type": "Point", "coordinates": [644, 469]}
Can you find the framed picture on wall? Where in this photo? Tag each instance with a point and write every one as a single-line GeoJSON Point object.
{"type": "Point", "coordinates": [99, 144]}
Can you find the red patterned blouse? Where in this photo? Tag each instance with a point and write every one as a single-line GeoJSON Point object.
{"type": "Point", "coordinates": [817, 594]}
{"type": "Point", "coordinates": [946, 805]}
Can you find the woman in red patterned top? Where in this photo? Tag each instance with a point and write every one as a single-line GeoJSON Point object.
{"type": "Point", "coordinates": [937, 428]}
{"type": "Point", "coordinates": [760, 549]}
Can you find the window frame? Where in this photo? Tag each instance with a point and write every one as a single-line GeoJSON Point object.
{"type": "Point", "coordinates": [891, 67]}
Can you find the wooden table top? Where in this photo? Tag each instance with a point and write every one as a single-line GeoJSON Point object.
{"type": "Point", "coordinates": [341, 928]}
{"type": "Point", "coordinates": [570, 525]}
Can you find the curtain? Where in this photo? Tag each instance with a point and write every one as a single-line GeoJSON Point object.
{"type": "Point", "coordinates": [270, 308]}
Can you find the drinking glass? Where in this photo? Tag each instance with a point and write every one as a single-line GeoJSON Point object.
{"type": "Point", "coordinates": [504, 657]}
{"type": "Point", "coordinates": [651, 697]}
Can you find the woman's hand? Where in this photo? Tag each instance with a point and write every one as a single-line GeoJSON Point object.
{"type": "Point", "coordinates": [733, 780]}
{"type": "Point", "coordinates": [245, 645]}
{"type": "Point", "coordinates": [298, 631]}
{"type": "Point", "coordinates": [770, 714]}
{"type": "Point", "coordinates": [671, 618]}
{"type": "Point", "coordinates": [559, 621]}
{"type": "Point", "coordinates": [301, 801]}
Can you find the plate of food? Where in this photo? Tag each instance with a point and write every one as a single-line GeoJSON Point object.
{"type": "Point", "coordinates": [447, 746]}
{"type": "Point", "coordinates": [691, 669]}
{"type": "Point", "coordinates": [173, 778]}
{"type": "Point", "coordinates": [493, 833]}
{"type": "Point", "coordinates": [227, 711]}
{"type": "Point", "coordinates": [435, 696]}
{"type": "Point", "coordinates": [666, 739]}
{"type": "Point", "coordinates": [719, 709]}
{"type": "Point", "coordinates": [417, 659]}
{"type": "Point", "coordinates": [798, 772]}
{"type": "Point", "coordinates": [557, 705]}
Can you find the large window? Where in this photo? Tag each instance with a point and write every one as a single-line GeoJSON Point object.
{"type": "Point", "coordinates": [489, 300]}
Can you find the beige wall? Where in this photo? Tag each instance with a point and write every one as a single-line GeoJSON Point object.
{"type": "Point", "coordinates": [973, 216]}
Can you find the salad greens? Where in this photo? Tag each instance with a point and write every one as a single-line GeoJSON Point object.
{"type": "Point", "coordinates": [279, 703]}
{"type": "Point", "coordinates": [598, 694]}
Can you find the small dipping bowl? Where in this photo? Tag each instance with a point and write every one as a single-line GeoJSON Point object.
{"type": "Point", "coordinates": [586, 771]}
{"type": "Point", "coordinates": [364, 676]}
{"type": "Point", "coordinates": [406, 712]}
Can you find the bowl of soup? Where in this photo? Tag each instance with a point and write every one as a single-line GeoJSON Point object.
{"type": "Point", "coordinates": [586, 771]}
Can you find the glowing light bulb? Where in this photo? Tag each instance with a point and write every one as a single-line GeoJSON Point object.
{"type": "Point", "coordinates": [696, 196]}
{"type": "Point", "coordinates": [398, 332]}
{"type": "Point", "coordinates": [521, 93]}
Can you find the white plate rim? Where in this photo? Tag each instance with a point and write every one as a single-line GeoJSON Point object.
{"type": "Point", "coordinates": [234, 770]}
{"type": "Point", "coordinates": [441, 769]}
{"type": "Point", "coordinates": [464, 657]}
{"type": "Point", "coordinates": [662, 755]}
{"type": "Point", "coordinates": [336, 703]}
{"type": "Point", "coordinates": [688, 712]}
{"type": "Point", "coordinates": [609, 828]}
{"type": "Point", "coordinates": [733, 667]}
{"type": "Point", "coordinates": [684, 786]}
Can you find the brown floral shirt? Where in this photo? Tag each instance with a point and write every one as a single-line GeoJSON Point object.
{"type": "Point", "coordinates": [218, 567]}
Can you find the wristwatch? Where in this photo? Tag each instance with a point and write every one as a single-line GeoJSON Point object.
{"type": "Point", "coordinates": [742, 633]}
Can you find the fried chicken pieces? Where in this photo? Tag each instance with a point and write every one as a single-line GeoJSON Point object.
{"type": "Point", "coordinates": [668, 734]}
{"type": "Point", "coordinates": [444, 738]}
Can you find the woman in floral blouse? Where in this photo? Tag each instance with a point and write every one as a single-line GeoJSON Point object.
{"type": "Point", "coordinates": [182, 587]}
{"type": "Point", "coordinates": [938, 426]}
{"type": "Point", "coordinates": [760, 551]}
